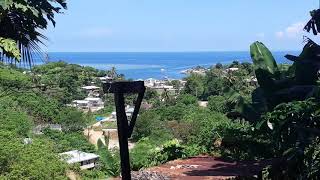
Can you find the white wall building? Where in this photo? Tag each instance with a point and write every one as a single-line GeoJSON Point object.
{"type": "Point", "coordinates": [86, 160]}
{"type": "Point", "coordinates": [81, 104]}
{"type": "Point", "coordinates": [93, 91]}
{"type": "Point", "coordinates": [94, 102]}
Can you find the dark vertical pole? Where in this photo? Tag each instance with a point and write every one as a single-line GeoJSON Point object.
{"type": "Point", "coordinates": [122, 123]}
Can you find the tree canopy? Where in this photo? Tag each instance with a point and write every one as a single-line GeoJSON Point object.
{"type": "Point", "coordinates": [21, 23]}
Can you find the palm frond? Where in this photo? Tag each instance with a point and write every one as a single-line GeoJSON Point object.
{"type": "Point", "coordinates": [22, 21]}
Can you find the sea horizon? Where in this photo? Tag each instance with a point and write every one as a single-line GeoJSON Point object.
{"type": "Point", "coordinates": [158, 65]}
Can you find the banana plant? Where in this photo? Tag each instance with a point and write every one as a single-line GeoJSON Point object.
{"type": "Point", "coordinates": [314, 23]}
{"type": "Point", "coordinates": [275, 88]}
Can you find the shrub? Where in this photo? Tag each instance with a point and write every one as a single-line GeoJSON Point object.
{"type": "Point", "coordinates": [71, 119]}
{"type": "Point", "coordinates": [218, 104]}
{"type": "Point", "coordinates": [171, 150]}
{"type": "Point", "coordinates": [109, 162]}
{"type": "Point", "coordinates": [150, 125]}
{"type": "Point", "coordinates": [187, 99]}
{"type": "Point", "coordinates": [141, 154]}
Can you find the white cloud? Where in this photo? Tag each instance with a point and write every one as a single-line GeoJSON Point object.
{"type": "Point", "coordinates": [293, 31]}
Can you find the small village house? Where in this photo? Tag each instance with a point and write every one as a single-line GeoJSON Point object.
{"type": "Point", "coordinates": [86, 160]}
{"type": "Point", "coordinates": [92, 91]}
{"type": "Point", "coordinates": [81, 104]}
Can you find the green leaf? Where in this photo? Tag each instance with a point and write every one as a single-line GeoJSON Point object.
{"type": "Point", "coordinates": [262, 58]}
{"type": "Point", "coordinates": [9, 48]}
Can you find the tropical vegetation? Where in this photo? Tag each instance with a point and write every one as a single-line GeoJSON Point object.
{"type": "Point", "coordinates": [259, 110]}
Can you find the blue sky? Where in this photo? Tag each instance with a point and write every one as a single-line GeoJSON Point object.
{"type": "Point", "coordinates": [179, 25]}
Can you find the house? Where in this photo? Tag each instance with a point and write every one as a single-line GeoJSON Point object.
{"type": "Point", "coordinates": [203, 103]}
{"type": "Point", "coordinates": [94, 102]}
{"type": "Point", "coordinates": [129, 113]}
{"type": "Point", "coordinates": [86, 160]}
{"type": "Point", "coordinates": [106, 79]}
{"type": "Point", "coordinates": [230, 70]}
{"type": "Point", "coordinates": [164, 88]}
{"type": "Point", "coordinates": [81, 104]}
{"type": "Point", "coordinates": [93, 91]}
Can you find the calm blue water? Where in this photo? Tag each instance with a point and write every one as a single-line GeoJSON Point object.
{"type": "Point", "coordinates": [156, 65]}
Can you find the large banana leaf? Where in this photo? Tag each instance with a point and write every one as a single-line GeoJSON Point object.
{"type": "Point", "coordinates": [262, 58]}
{"type": "Point", "coordinates": [265, 67]}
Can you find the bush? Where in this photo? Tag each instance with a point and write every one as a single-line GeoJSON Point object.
{"type": "Point", "coordinates": [32, 161]}
{"type": "Point", "coordinates": [69, 141]}
{"type": "Point", "coordinates": [109, 162]}
{"type": "Point", "coordinates": [14, 121]}
{"type": "Point", "coordinates": [150, 125]}
{"type": "Point", "coordinates": [218, 104]}
{"type": "Point", "coordinates": [205, 127]}
{"type": "Point", "coordinates": [146, 153]}
{"type": "Point", "coordinates": [293, 128]}
{"type": "Point", "coordinates": [187, 99]}
{"type": "Point", "coordinates": [71, 120]}
{"type": "Point", "coordinates": [141, 154]}
{"type": "Point", "coordinates": [170, 150]}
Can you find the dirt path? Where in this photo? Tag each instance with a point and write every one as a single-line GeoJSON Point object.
{"type": "Point", "coordinates": [205, 167]}
{"type": "Point", "coordinates": [95, 135]}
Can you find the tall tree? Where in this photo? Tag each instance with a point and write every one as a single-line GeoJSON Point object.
{"type": "Point", "coordinates": [21, 23]}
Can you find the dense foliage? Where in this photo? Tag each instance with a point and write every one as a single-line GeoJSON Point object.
{"type": "Point", "coordinates": [23, 106]}
{"type": "Point", "coordinates": [21, 23]}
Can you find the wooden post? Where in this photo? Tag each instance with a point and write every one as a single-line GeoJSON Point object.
{"type": "Point", "coordinates": [124, 128]}
{"type": "Point", "coordinates": [122, 123]}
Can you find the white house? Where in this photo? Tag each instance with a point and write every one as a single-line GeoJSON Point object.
{"type": "Point", "coordinates": [93, 91]}
{"type": "Point", "coordinates": [81, 104]}
{"type": "Point", "coordinates": [229, 70]}
{"type": "Point", "coordinates": [94, 102]}
{"type": "Point", "coordinates": [129, 113]}
{"type": "Point", "coordinates": [90, 88]}
{"type": "Point", "coordinates": [106, 79]}
{"type": "Point", "coordinates": [86, 160]}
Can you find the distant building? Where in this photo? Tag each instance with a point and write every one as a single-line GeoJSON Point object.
{"type": "Point", "coordinates": [86, 160]}
{"type": "Point", "coordinates": [129, 113]}
{"type": "Point", "coordinates": [93, 91]}
{"type": "Point", "coordinates": [106, 79]}
{"type": "Point", "coordinates": [93, 104]}
{"type": "Point", "coordinates": [90, 88]}
{"type": "Point", "coordinates": [203, 103]}
{"type": "Point", "coordinates": [232, 70]}
{"type": "Point", "coordinates": [81, 104]}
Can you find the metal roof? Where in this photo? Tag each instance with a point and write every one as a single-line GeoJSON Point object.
{"type": "Point", "coordinates": [76, 156]}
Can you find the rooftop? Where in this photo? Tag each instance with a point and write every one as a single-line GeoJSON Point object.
{"type": "Point", "coordinates": [92, 99]}
{"type": "Point", "coordinates": [76, 156]}
{"type": "Point", "coordinates": [80, 101]}
{"type": "Point", "coordinates": [90, 87]}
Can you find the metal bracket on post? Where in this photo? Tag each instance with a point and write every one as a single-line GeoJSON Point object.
{"type": "Point", "coordinates": [125, 128]}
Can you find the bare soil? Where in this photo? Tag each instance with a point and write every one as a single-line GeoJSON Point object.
{"type": "Point", "coordinates": [205, 167]}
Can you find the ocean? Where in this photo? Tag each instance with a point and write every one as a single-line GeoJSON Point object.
{"type": "Point", "coordinates": [158, 65]}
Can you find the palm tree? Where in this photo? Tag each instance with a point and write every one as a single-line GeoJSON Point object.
{"type": "Point", "coordinates": [21, 23]}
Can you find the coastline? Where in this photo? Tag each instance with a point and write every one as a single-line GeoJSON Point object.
{"type": "Point", "coordinates": [157, 65]}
